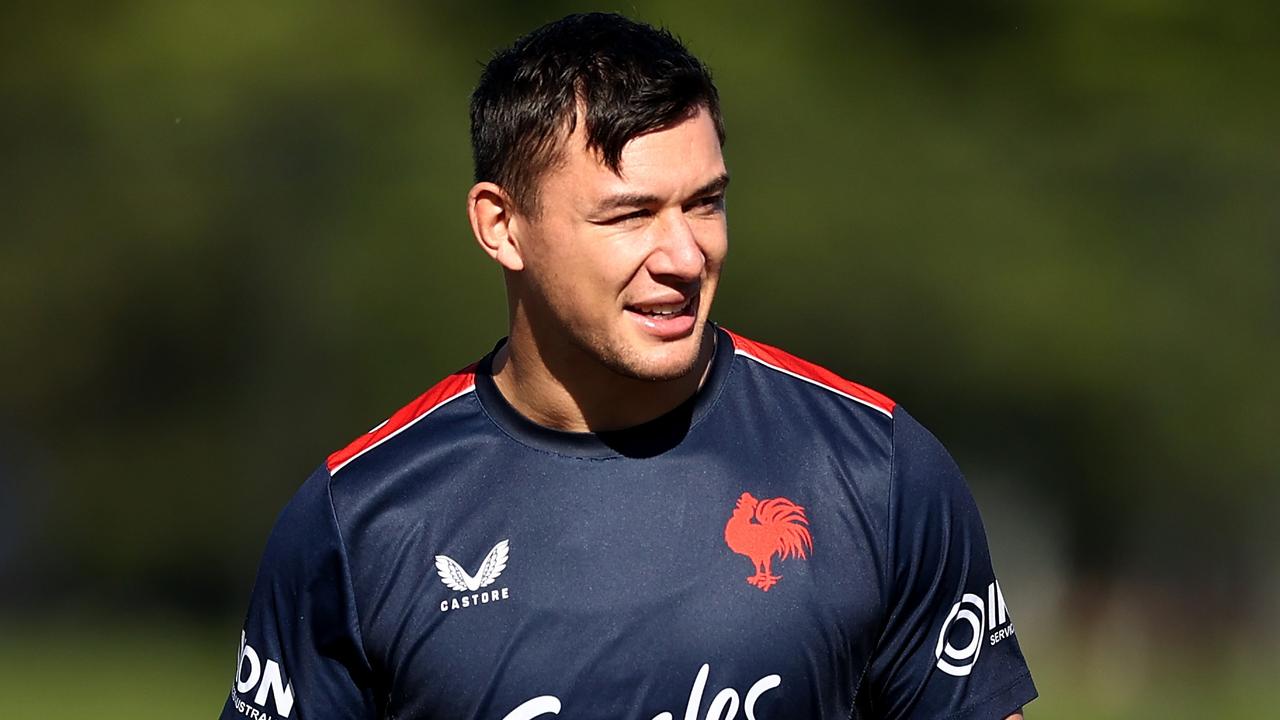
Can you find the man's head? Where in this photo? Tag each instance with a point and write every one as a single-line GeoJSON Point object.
{"type": "Point", "coordinates": [599, 188]}
{"type": "Point", "coordinates": [617, 77]}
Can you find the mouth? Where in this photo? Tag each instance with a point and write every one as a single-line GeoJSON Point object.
{"type": "Point", "coordinates": [668, 319]}
{"type": "Point", "coordinates": [663, 310]}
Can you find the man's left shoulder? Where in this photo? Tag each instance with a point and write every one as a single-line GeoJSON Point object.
{"type": "Point", "coordinates": [814, 379]}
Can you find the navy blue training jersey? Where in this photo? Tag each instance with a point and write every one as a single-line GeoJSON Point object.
{"type": "Point", "coordinates": [785, 544]}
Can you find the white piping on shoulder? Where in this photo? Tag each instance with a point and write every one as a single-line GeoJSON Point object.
{"type": "Point", "coordinates": [401, 429]}
{"type": "Point", "coordinates": [811, 381]}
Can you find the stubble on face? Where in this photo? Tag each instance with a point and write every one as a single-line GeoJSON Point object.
{"type": "Point", "coordinates": [627, 361]}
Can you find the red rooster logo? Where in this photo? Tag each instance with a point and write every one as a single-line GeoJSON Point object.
{"type": "Point", "coordinates": [761, 529]}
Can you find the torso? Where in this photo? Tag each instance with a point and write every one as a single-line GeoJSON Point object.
{"type": "Point", "coordinates": [625, 592]}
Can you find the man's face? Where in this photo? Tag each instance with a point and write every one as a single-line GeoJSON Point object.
{"type": "Point", "coordinates": [622, 268]}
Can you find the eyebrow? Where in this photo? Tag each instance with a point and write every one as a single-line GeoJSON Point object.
{"type": "Point", "coordinates": [639, 200]}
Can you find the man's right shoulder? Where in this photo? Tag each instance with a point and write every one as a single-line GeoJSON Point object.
{"type": "Point", "coordinates": [452, 388]}
{"type": "Point", "coordinates": [353, 487]}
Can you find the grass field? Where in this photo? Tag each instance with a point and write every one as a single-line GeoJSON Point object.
{"type": "Point", "coordinates": [101, 672]}
{"type": "Point", "coordinates": [173, 670]}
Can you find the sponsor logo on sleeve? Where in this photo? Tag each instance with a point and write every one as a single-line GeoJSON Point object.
{"type": "Point", "coordinates": [457, 579]}
{"type": "Point", "coordinates": [259, 680]}
{"type": "Point", "coordinates": [972, 623]}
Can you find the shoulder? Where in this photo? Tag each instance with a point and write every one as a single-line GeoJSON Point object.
{"type": "Point", "coordinates": [929, 494]}
{"type": "Point", "coordinates": [441, 395]}
{"type": "Point", "coordinates": [914, 443]}
{"type": "Point", "coordinates": [806, 410]}
{"type": "Point", "coordinates": [307, 512]}
{"type": "Point", "coordinates": [304, 538]}
{"type": "Point", "coordinates": [781, 367]}
{"type": "Point", "coordinates": [921, 465]}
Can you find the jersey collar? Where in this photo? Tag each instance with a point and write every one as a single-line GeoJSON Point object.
{"type": "Point", "coordinates": [648, 439]}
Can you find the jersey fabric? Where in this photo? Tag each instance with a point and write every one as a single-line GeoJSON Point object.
{"type": "Point", "coordinates": [785, 544]}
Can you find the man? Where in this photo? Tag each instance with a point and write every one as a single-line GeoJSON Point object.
{"type": "Point", "coordinates": [624, 511]}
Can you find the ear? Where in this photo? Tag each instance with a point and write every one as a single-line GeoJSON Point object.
{"type": "Point", "coordinates": [493, 222]}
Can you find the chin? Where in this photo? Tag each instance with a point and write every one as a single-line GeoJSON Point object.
{"type": "Point", "coordinates": [651, 362]}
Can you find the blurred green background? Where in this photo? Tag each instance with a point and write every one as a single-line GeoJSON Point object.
{"type": "Point", "coordinates": [232, 237]}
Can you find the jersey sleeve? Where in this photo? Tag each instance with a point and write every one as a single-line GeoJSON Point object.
{"type": "Point", "coordinates": [301, 654]}
{"type": "Point", "coordinates": [948, 648]}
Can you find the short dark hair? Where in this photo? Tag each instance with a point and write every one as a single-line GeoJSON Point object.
{"type": "Point", "coordinates": [626, 77]}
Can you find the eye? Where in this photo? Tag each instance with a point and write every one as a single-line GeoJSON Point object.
{"type": "Point", "coordinates": [710, 203]}
{"type": "Point", "coordinates": [626, 217]}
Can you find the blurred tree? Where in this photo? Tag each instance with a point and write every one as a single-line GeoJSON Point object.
{"type": "Point", "coordinates": [234, 238]}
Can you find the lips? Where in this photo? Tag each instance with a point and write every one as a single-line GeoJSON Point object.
{"type": "Point", "coordinates": [666, 318]}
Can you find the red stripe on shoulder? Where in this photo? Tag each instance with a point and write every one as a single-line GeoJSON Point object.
{"type": "Point", "coordinates": [785, 361]}
{"type": "Point", "coordinates": [439, 394]}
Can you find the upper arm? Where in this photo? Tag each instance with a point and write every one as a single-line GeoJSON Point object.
{"type": "Point", "coordinates": [301, 655]}
{"type": "Point", "coordinates": [948, 647]}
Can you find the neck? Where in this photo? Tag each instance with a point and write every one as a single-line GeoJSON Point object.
{"type": "Point", "coordinates": [566, 389]}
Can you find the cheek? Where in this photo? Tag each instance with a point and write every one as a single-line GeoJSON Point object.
{"type": "Point", "coordinates": [613, 261]}
{"type": "Point", "coordinates": [715, 244]}
{"type": "Point", "coordinates": [578, 274]}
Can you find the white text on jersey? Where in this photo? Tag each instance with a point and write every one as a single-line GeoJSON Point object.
{"type": "Point", "coordinates": [724, 706]}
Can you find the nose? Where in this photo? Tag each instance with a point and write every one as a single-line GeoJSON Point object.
{"type": "Point", "coordinates": [676, 250]}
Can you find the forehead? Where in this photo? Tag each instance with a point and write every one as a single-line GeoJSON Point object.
{"type": "Point", "coordinates": [663, 163]}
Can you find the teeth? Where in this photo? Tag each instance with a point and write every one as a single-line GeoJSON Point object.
{"type": "Point", "coordinates": [664, 309]}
